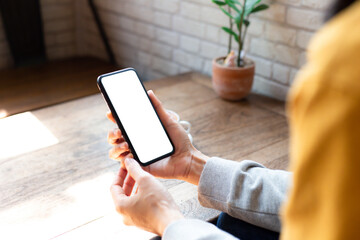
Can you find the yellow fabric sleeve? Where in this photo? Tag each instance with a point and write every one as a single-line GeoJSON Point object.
{"type": "Point", "coordinates": [324, 111]}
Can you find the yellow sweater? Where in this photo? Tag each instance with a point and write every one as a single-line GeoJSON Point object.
{"type": "Point", "coordinates": [324, 110]}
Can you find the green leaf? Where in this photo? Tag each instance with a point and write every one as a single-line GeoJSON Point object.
{"type": "Point", "coordinates": [237, 18]}
{"type": "Point", "coordinates": [229, 31]}
{"type": "Point", "coordinates": [250, 5]}
{"type": "Point", "coordinates": [236, 2]}
{"type": "Point", "coordinates": [226, 12]}
{"type": "Point", "coordinates": [232, 5]}
{"type": "Point", "coordinates": [219, 3]}
{"type": "Point", "coordinates": [259, 8]}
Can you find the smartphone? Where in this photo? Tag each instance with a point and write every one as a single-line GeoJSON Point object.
{"type": "Point", "coordinates": [135, 115]}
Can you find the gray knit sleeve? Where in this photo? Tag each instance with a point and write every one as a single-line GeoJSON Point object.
{"type": "Point", "coordinates": [194, 229]}
{"type": "Point", "coordinates": [245, 190]}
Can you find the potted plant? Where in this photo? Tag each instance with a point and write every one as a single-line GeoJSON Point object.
{"type": "Point", "coordinates": [233, 75]}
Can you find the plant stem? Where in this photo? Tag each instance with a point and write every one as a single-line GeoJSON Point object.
{"type": "Point", "coordinates": [239, 60]}
{"type": "Point", "coordinates": [243, 39]}
{"type": "Point", "coordinates": [231, 27]}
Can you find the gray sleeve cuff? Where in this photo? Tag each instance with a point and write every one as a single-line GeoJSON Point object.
{"type": "Point", "coordinates": [194, 229]}
{"type": "Point", "coordinates": [216, 180]}
{"type": "Point", "coordinates": [245, 190]}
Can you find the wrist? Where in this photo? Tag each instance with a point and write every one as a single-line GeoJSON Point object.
{"type": "Point", "coordinates": [167, 218]}
{"type": "Point", "coordinates": [198, 161]}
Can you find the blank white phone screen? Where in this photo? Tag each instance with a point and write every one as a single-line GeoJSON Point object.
{"type": "Point", "coordinates": [137, 115]}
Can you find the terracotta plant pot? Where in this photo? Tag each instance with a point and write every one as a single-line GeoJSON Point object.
{"type": "Point", "coordinates": [232, 83]}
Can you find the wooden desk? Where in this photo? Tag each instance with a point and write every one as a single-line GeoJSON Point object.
{"type": "Point", "coordinates": [62, 191]}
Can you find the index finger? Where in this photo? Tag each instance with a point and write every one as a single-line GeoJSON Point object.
{"type": "Point", "coordinates": [110, 117]}
{"type": "Point", "coordinates": [134, 169]}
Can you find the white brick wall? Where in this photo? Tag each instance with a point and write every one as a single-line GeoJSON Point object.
{"type": "Point", "coordinates": [303, 18]}
{"type": "Point", "coordinates": [166, 37]}
{"type": "Point", "coordinates": [180, 35]}
{"type": "Point", "coordinates": [303, 38]}
{"type": "Point", "coordinates": [59, 28]}
{"type": "Point", "coordinates": [281, 73]}
{"type": "Point", "coordinates": [190, 44]}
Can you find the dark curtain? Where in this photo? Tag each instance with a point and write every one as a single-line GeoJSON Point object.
{"type": "Point", "coordinates": [24, 30]}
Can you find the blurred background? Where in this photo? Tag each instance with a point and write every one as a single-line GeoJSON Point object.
{"type": "Point", "coordinates": [157, 37]}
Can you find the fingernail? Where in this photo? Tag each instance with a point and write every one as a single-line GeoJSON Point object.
{"type": "Point", "coordinates": [127, 161]}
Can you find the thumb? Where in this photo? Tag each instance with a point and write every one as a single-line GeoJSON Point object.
{"type": "Point", "coordinates": [134, 169]}
{"type": "Point", "coordinates": [164, 116]}
{"type": "Point", "coordinates": [110, 117]}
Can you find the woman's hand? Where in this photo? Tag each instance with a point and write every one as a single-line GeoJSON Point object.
{"type": "Point", "coordinates": [151, 207]}
{"type": "Point", "coordinates": [186, 163]}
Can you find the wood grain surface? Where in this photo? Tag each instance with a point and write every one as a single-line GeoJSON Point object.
{"type": "Point", "coordinates": [33, 87]}
{"type": "Point", "coordinates": [62, 191]}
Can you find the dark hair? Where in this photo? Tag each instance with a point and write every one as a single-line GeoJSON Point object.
{"type": "Point", "coordinates": [336, 7]}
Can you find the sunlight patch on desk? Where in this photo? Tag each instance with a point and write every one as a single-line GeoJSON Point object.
{"type": "Point", "coordinates": [3, 113]}
{"type": "Point", "coordinates": [81, 203]}
{"type": "Point", "coordinates": [88, 213]}
{"type": "Point", "coordinates": [110, 226]}
{"type": "Point", "coordinates": [23, 133]}
{"type": "Point", "coordinates": [92, 194]}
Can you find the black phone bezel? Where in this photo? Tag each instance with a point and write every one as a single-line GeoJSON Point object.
{"type": "Point", "coordinates": [118, 121]}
